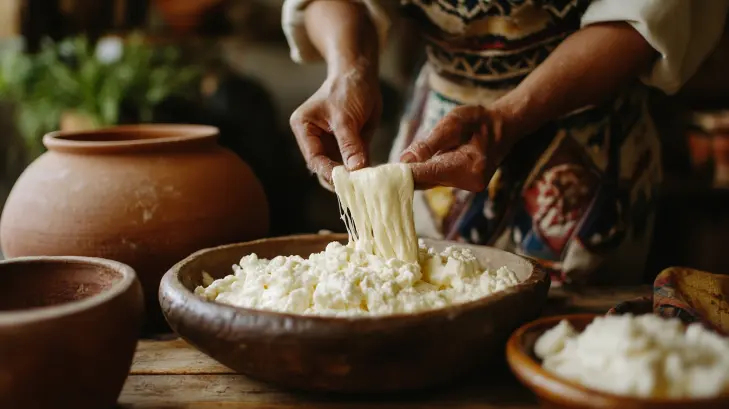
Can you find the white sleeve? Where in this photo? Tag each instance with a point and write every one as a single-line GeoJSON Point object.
{"type": "Point", "coordinates": [684, 32]}
{"type": "Point", "coordinates": [302, 50]}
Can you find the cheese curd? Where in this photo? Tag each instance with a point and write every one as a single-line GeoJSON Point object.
{"type": "Point", "coordinates": [642, 356]}
{"type": "Point", "coordinates": [346, 281]}
{"type": "Point", "coordinates": [383, 269]}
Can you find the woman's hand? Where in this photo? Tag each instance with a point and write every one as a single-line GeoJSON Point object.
{"type": "Point", "coordinates": [463, 150]}
{"type": "Point", "coordinates": [336, 124]}
{"type": "Point", "coordinates": [467, 146]}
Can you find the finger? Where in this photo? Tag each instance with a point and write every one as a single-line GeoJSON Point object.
{"type": "Point", "coordinates": [351, 145]}
{"type": "Point", "coordinates": [323, 166]}
{"type": "Point", "coordinates": [456, 128]}
{"type": "Point", "coordinates": [444, 136]}
{"type": "Point", "coordinates": [326, 184]}
{"type": "Point", "coordinates": [437, 171]}
{"type": "Point", "coordinates": [308, 137]}
{"type": "Point", "coordinates": [463, 168]}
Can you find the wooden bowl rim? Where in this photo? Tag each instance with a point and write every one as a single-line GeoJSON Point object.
{"type": "Point", "coordinates": [171, 283]}
{"type": "Point", "coordinates": [524, 367]}
{"type": "Point", "coordinates": [19, 317]}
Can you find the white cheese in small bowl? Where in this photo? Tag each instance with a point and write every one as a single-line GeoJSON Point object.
{"type": "Point", "coordinates": [642, 356]}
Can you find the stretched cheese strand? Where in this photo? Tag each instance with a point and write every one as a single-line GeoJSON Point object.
{"type": "Point", "coordinates": [376, 205]}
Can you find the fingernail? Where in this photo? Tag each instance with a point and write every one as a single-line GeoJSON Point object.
{"type": "Point", "coordinates": [407, 157]}
{"type": "Point", "coordinates": [355, 162]}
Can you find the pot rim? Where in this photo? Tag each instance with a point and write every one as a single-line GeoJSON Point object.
{"type": "Point", "coordinates": [26, 316]}
{"type": "Point", "coordinates": [155, 136]}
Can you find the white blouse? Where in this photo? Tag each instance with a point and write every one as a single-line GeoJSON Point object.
{"type": "Point", "coordinates": [684, 32]}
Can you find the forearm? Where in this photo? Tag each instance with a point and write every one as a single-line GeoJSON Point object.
{"type": "Point", "coordinates": [586, 69]}
{"type": "Point", "coordinates": [344, 34]}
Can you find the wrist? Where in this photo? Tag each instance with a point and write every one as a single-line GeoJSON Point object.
{"type": "Point", "coordinates": [345, 35]}
{"type": "Point", "coordinates": [515, 120]}
{"type": "Point", "coordinates": [359, 67]}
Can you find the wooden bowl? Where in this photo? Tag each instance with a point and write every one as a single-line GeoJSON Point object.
{"type": "Point", "coordinates": [68, 331]}
{"type": "Point", "coordinates": [362, 354]}
{"type": "Point", "coordinates": [556, 392]}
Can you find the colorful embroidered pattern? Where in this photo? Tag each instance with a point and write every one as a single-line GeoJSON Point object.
{"type": "Point", "coordinates": [570, 194]}
{"type": "Point", "coordinates": [493, 43]}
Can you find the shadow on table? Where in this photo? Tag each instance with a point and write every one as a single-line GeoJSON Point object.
{"type": "Point", "coordinates": [498, 387]}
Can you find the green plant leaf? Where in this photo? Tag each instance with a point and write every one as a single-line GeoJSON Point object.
{"type": "Point", "coordinates": [69, 76]}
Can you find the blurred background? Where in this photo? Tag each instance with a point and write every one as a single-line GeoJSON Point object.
{"type": "Point", "coordinates": [84, 64]}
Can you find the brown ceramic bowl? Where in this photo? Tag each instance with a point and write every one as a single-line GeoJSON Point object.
{"type": "Point", "coordinates": [556, 392]}
{"type": "Point", "coordinates": [363, 354]}
{"type": "Point", "coordinates": [68, 331]}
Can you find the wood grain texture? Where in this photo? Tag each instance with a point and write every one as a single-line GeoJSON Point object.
{"type": "Point", "coordinates": [207, 391]}
{"type": "Point", "coordinates": [171, 374]}
{"type": "Point", "coordinates": [175, 357]}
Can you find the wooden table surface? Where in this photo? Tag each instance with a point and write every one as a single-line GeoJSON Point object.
{"type": "Point", "coordinates": [170, 374]}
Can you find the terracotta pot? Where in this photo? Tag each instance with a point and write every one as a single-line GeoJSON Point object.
{"type": "Point", "coordinates": [700, 150]}
{"type": "Point", "coordinates": [145, 195]}
{"type": "Point", "coordinates": [708, 143]}
{"type": "Point", "coordinates": [183, 16]}
{"type": "Point", "coordinates": [721, 157]}
{"type": "Point", "coordinates": [68, 331]}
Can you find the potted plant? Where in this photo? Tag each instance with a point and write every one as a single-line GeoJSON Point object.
{"type": "Point", "coordinates": [76, 85]}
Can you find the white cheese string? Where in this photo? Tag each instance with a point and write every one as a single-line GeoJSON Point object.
{"type": "Point", "coordinates": [376, 205]}
{"type": "Point", "coordinates": [346, 217]}
{"type": "Point", "coordinates": [382, 270]}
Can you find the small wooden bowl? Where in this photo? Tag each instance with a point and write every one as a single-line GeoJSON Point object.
{"type": "Point", "coordinates": [362, 354]}
{"type": "Point", "coordinates": [556, 392]}
{"type": "Point", "coordinates": [68, 331]}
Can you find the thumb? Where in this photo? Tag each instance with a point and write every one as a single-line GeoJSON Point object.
{"type": "Point", "coordinates": [436, 171]}
{"type": "Point", "coordinates": [463, 168]}
{"type": "Point", "coordinates": [455, 129]}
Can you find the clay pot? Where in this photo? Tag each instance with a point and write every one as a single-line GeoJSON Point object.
{"type": "Point", "coordinates": [721, 157]}
{"type": "Point", "coordinates": [183, 16]}
{"type": "Point", "coordinates": [146, 195]}
{"type": "Point", "coordinates": [708, 143]}
{"type": "Point", "coordinates": [700, 150]}
{"type": "Point", "coordinates": [68, 331]}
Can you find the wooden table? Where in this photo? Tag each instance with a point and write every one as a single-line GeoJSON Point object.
{"type": "Point", "coordinates": [170, 374]}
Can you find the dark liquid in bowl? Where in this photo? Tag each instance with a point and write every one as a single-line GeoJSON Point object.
{"type": "Point", "coordinates": [43, 284]}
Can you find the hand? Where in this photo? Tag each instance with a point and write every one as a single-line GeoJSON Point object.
{"type": "Point", "coordinates": [336, 124]}
{"type": "Point", "coordinates": [463, 150]}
